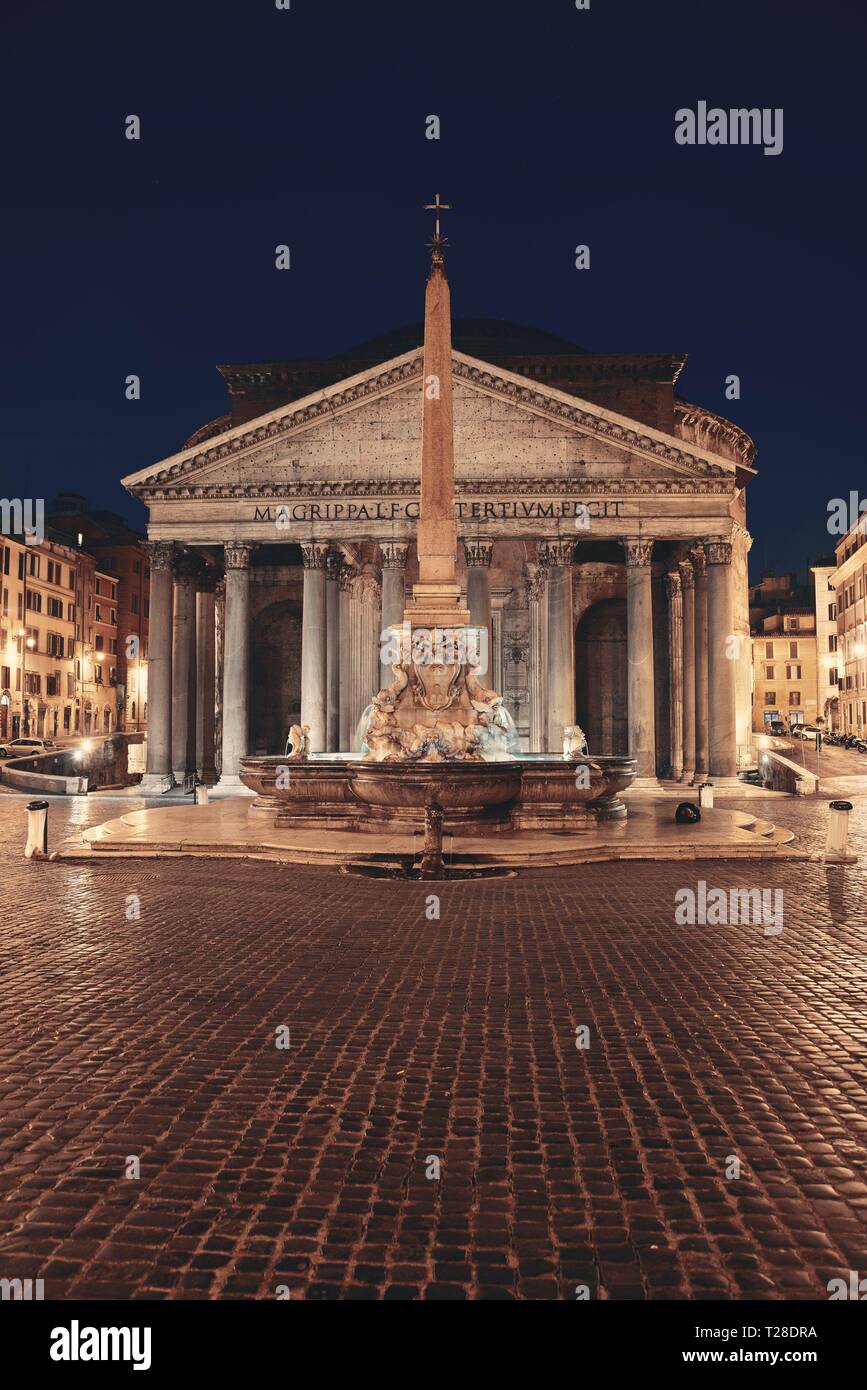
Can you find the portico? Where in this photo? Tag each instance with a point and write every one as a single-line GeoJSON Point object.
{"type": "Point", "coordinates": [604, 556]}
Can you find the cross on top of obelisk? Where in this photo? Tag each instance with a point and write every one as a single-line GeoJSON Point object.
{"type": "Point", "coordinates": [439, 240]}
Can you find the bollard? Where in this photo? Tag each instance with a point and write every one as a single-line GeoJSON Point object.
{"type": "Point", "coordinates": [37, 830]}
{"type": "Point", "coordinates": [705, 796]}
{"type": "Point", "coordinates": [201, 795]}
{"type": "Point", "coordinates": [838, 830]}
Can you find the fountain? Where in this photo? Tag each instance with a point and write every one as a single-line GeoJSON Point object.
{"type": "Point", "coordinates": [436, 735]}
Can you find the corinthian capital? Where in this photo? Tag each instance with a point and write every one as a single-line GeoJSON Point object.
{"type": "Point", "coordinates": [237, 555]}
{"type": "Point", "coordinates": [699, 562]}
{"type": "Point", "coordinates": [672, 584]}
{"type": "Point", "coordinates": [556, 551]}
{"type": "Point", "coordinates": [393, 554]}
{"type": "Point", "coordinates": [161, 554]}
{"type": "Point", "coordinates": [537, 578]}
{"type": "Point", "coordinates": [346, 577]}
{"type": "Point", "coordinates": [314, 554]}
{"type": "Point", "coordinates": [687, 575]}
{"type": "Point", "coordinates": [637, 550]}
{"type": "Point", "coordinates": [718, 552]}
{"type": "Point", "coordinates": [478, 551]}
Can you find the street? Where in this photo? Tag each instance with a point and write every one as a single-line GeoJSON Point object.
{"type": "Point", "coordinates": [224, 1079]}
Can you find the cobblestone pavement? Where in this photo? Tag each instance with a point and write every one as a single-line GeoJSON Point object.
{"type": "Point", "coordinates": [414, 1039]}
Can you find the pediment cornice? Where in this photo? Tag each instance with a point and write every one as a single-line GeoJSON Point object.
{"type": "Point", "coordinates": [185, 474]}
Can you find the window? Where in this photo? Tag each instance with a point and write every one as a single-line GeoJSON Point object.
{"type": "Point", "coordinates": [70, 612]}
{"type": "Point", "coordinates": [832, 611]}
{"type": "Point", "coordinates": [769, 673]}
{"type": "Point", "coordinates": [55, 608]}
{"type": "Point", "coordinates": [99, 646]}
{"type": "Point", "coordinates": [793, 673]}
{"type": "Point", "coordinates": [98, 613]}
{"type": "Point", "coordinates": [770, 697]}
{"type": "Point", "coordinates": [54, 647]}
{"type": "Point", "coordinates": [70, 685]}
{"type": "Point", "coordinates": [32, 683]}
{"type": "Point", "coordinates": [34, 601]}
{"type": "Point", "coordinates": [832, 641]}
{"type": "Point", "coordinates": [113, 616]}
{"type": "Point", "coordinates": [769, 649]}
{"type": "Point", "coordinates": [832, 676]}
{"type": "Point", "coordinates": [5, 677]}
{"type": "Point", "coordinates": [793, 649]}
{"type": "Point", "coordinates": [794, 697]}
{"type": "Point", "coordinates": [97, 674]}
{"type": "Point", "coordinates": [793, 624]}
{"type": "Point", "coordinates": [52, 684]}
{"type": "Point", "coordinates": [135, 603]}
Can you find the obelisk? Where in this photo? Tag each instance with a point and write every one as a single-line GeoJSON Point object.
{"type": "Point", "coordinates": [436, 598]}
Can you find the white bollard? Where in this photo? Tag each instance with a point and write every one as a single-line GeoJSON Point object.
{"type": "Point", "coordinates": [201, 796]}
{"type": "Point", "coordinates": [838, 830]}
{"type": "Point", "coordinates": [705, 796]}
{"type": "Point", "coordinates": [37, 829]}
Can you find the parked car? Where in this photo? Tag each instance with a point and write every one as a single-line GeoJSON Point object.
{"type": "Point", "coordinates": [805, 731]}
{"type": "Point", "coordinates": [777, 727]}
{"type": "Point", "coordinates": [19, 747]}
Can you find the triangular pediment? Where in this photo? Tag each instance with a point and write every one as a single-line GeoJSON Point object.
{"type": "Point", "coordinates": [368, 426]}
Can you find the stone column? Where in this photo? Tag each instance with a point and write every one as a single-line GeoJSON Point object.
{"type": "Point", "coordinates": [556, 555]}
{"type": "Point", "coordinates": [236, 667]}
{"type": "Point", "coordinates": [314, 652]}
{"type": "Point", "coordinates": [369, 607]}
{"type": "Point", "coordinates": [479, 553]}
{"type": "Point", "coordinates": [675, 666]}
{"type": "Point", "coordinates": [332, 650]}
{"type": "Point", "coordinates": [722, 660]}
{"type": "Point", "coordinates": [393, 555]}
{"type": "Point", "coordinates": [687, 584]}
{"type": "Point", "coordinates": [639, 656]}
{"type": "Point", "coordinates": [345, 580]}
{"type": "Point", "coordinates": [219, 645]}
{"type": "Point", "coordinates": [184, 667]}
{"type": "Point", "coordinates": [159, 669]}
{"type": "Point", "coordinates": [699, 566]}
{"type": "Point", "coordinates": [206, 694]}
{"type": "Point", "coordinates": [537, 580]}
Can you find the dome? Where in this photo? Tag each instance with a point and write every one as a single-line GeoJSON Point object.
{"type": "Point", "coordinates": [476, 337]}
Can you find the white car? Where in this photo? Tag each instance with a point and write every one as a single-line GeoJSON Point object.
{"type": "Point", "coordinates": [20, 747]}
{"type": "Point", "coordinates": [805, 731]}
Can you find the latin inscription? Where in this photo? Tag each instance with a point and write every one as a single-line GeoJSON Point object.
{"type": "Point", "coordinates": [283, 514]}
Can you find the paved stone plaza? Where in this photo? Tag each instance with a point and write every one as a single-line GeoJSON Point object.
{"type": "Point", "coordinates": [413, 1039]}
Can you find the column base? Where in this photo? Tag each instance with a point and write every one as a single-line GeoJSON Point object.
{"type": "Point", "coordinates": [644, 784]}
{"type": "Point", "coordinates": [181, 774]}
{"type": "Point", "coordinates": [156, 783]}
{"type": "Point", "coordinates": [230, 786]}
{"type": "Point", "coordinates": [687, 776]}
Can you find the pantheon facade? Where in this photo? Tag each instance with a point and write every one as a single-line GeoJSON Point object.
{"type": "Point", "coordinates": [602, 545]}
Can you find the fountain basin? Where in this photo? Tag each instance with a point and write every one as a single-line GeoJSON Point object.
{"type": "Point", "coordinates": [473, 795]}
{"type": "Point", "coordinates": [561, 795]}
{"type": "Point", "coordinates": [313, 792]}
{"type": "Point", "coordinates": [536, 792]}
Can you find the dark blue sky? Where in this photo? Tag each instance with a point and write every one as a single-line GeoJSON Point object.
{"type": "Point", "coordinates": [307, 127]}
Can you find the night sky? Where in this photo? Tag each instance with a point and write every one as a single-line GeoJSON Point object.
{"type": "Point", "coordinates": [307, 127]}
